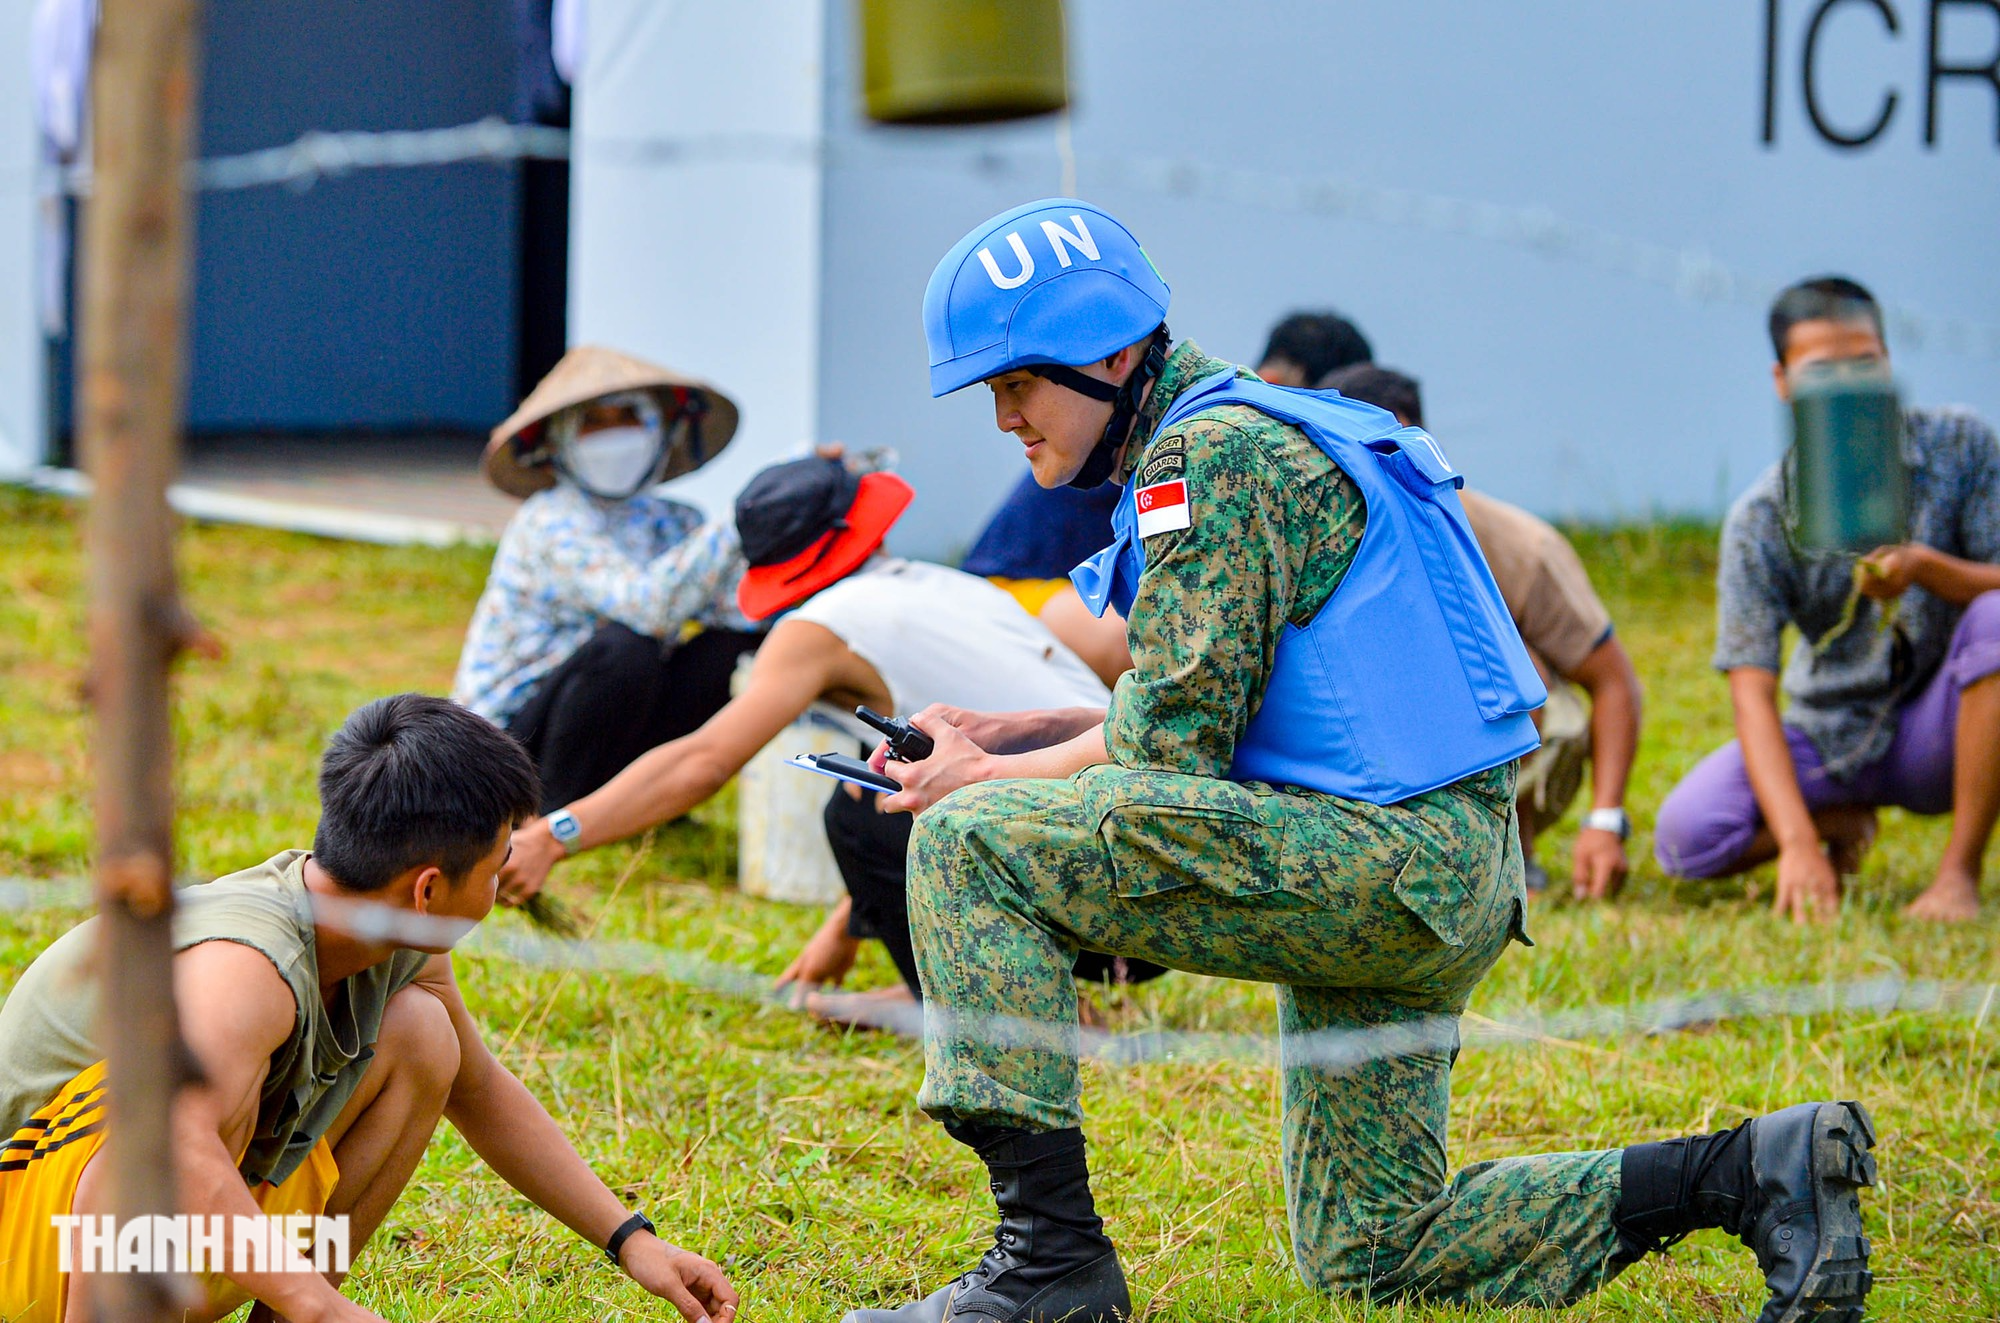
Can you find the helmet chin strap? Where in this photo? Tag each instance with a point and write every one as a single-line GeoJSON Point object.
{"type": "Point", "coordinates": [1124, 400]}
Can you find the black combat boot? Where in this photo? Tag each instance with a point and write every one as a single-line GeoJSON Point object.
{"type": "Point", "coordinates": [1783, 1184]}
{"type": "Point", "coordinates": [1050, 1261]}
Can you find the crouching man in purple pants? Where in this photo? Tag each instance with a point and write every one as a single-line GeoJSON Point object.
{"type": "Point", "coordinates": [1902, 711]}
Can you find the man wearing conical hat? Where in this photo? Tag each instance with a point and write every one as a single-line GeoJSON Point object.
{"type": "Point", "coordinates": [609, 621]}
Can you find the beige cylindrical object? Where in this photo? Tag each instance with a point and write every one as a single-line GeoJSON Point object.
{"type": "Point", "coordinates": [781, 849]}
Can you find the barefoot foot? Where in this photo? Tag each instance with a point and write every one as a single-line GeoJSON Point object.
{"type": "Point", "coordinates": [894, 1008]}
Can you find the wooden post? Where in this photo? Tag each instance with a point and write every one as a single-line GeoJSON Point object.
{"type": "Point", "coordinates": [135, 262]}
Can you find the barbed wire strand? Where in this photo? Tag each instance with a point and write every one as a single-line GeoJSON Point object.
{"type": "Point", "coordinates": [1691, 272]}
{"type": "Point", "coordinates": [1333, 1048]}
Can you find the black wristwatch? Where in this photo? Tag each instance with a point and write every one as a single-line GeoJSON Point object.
{"type": "Point", "coordinates": [630, 1227]}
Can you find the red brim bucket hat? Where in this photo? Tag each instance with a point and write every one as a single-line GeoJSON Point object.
{"type": "Point", "coordinates": [808, 524]}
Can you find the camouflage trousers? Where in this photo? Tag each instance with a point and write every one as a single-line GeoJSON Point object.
{"type": "Point", "coordinates": [1367, 917]}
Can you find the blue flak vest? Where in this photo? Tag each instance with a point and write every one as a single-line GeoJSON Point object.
{"type": "Point", "coordinates": [1412, 675]}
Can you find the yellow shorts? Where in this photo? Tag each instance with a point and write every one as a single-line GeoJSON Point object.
{"type": "Point", "coordinates": [39, 1170]}
{"type": "Point", "coordinates": [1032, 594]}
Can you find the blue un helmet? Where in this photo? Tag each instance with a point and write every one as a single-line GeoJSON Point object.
{"type": "Point", "coordinates": [1047, 288]}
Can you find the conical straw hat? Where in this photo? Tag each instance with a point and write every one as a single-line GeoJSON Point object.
{"type": "Point", "coordinates": [517, 458]}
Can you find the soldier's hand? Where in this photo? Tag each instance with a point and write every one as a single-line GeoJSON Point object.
{"type": "Point", "coordinates": [991, 731]}
{"type": "Point", "coordinates": [955, 761]}
{"type": "Point", "coordinates": [1600, 864]}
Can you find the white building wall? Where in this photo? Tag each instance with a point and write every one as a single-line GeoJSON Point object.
{"type": "Point", "coordinates": [1529, 207]}
{"type": "Point", "coordinates": [1566, 219]}
{"type": "Point", "coordinates": [695, 220]}
{"type": "Point", "coordinates": [21, 377]}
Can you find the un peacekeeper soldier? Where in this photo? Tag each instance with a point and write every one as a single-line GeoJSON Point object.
{"type": "Point", "coordinates": [1307, 778]}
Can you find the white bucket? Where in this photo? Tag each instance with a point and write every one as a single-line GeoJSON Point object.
{"type": "Point", "coordinates": [781, 847]}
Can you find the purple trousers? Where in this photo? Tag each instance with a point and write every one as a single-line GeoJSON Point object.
{"type": "Point", "coordinates": [1706, 825]}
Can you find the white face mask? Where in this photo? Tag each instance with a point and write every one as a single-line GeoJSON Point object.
{"type": "Point", "coordinates": [613, 463]}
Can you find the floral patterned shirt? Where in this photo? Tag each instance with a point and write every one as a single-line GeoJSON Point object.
{"type": "Point", "coordinates": [568, 563]}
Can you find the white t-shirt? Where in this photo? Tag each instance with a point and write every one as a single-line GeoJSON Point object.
{"type": "Point", "coordinates": [938, 636]}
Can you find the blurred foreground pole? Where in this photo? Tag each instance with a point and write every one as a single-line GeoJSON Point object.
{"type": "Point", "coordinates": [135, 262]}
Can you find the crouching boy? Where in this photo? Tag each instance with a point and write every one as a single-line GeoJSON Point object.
{"type": "Point", "coordinates": [326, 1058]}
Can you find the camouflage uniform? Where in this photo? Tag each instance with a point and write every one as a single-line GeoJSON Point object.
{"type": "Point", "coordinates": [1365, 916]}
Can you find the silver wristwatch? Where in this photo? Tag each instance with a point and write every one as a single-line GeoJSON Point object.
{"type": "Point", "coordinates": [565, 828]}
{"type": "Point", "coordinates": [1612, 820]}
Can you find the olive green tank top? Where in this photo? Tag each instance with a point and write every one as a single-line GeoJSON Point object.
{"type": "Point", "coordinates": [48, 1023]}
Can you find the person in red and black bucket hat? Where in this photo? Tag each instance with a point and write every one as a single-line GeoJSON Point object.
{"type": "Point", "coordinates": [855, 625]}
{"type": "Point", "coordinates": [808, 524]}
{"type": "Point", "coordinates": [608, 624]}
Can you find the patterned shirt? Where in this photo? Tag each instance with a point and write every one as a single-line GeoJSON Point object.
{"type": "Point", "coordinates": [1275, 524]}
{"type": "Point", "coordinates": [567, 564]}
{"type": "Point", "coordinates": [1844, 699]}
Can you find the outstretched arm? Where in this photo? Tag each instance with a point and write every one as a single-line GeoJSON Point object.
{"type": "Point", "coordinates": [1756, 586]}
{"type": "Point", "coordinates": [514, 1133]}
{"type": "Point", "coordinates": [1808, 886]}
{"type": "Point", "coordinates": [1017, 732]}
{"type": "Point", "coordinates": [793, 667]}
{"type": "Point", "coordinates": [1615, 704]}
{"type": "Point", "coordinates": [1952, 578]}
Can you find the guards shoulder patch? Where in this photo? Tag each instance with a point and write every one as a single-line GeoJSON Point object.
{"type": "Point", "coordinates": [1163, 507]}
{"type": "Point", "coordinates": [1165, 462]}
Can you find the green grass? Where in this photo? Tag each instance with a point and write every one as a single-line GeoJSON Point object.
{"type": "Point", "coordinates": [794, 1155]}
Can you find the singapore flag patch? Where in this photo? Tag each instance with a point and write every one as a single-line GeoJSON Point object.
{"type": "Point", "coordinates": [1163, 507]}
